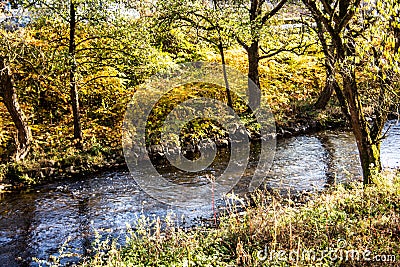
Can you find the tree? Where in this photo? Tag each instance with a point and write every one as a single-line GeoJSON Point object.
{"type": "Point", "coordinates": [221, 23]}
{"type": "Point", "coordinates": [66, 13]}
{"type": "Point", "coordinates": [206, 22]}
{"type": "Point", "coordinates": [10, 99]}
{"type": "Point", "coordinates": [72, 73]}
{"type": "Point", "coordinates": [331, 83]}
{"type": "Point", "coordinates": [254, 19]}
{"type": "Point", "coordinates": [360, 44]}
{"type": "Point", "coordinates": [68, 19]}
{"type": "Point", "coordinates": [86, 38]}
{"type": "Point", "coordinates": [14, 53]}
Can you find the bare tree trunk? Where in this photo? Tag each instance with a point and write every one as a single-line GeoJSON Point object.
{"type": "Point", "coordinates": [253, 74]}
{"type": "Point", "coordinates": [326, 94]}
{"type": "Point", "coordinates": [72, 79]}
{"type": "Point", "coordinates": [331, 82]}
{"type": "Point", "coordinates": [228, 92]}
{"type": "Point", "coordinates": [369, 150]}
{"type": "Point", "coordinates": [342, 100]}
{"type": "Point", "coordinates": [10, 99]}
{"type": "Point", "coordinates": [332, 86]}
{"type": "Point", "coordinates": [397, 40]}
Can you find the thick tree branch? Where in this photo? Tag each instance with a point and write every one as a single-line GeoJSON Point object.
{"type": "Point", "coordinates": [272, 13]}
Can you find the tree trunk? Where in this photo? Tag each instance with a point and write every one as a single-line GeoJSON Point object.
{"type": "Point", "coordinates": [369, 150]}
{"type": "Point", "coordinates": [330, 87]}
{"type": "Point", "coordinates": [326, 94]}
{"type": "Point", "coordinates": [227, 88]}
{"type": "Point", "coordinates": [253, 74]}
{"type": "Point", "coordinates": [397, 40]}
{"type": "Point", "coordinates": [72, 79]}
{"type": "Point", "coordinates": [342, 100]}
{"type": "Point", "coordinates": [368, 147]}
{"type": "Point", "coordinates": [10, 99]}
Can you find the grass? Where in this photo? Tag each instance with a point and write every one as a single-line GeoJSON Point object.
{"type": "Point", "coordinates": [344, 226]}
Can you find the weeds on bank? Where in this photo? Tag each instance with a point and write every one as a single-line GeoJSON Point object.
{"type": "Point", "coordinates": [72, 161]}
{"type": "Point", "coordinates": [345, 221]}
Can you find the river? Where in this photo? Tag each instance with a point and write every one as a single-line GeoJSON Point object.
{"type": "Point", "coordinates": [37, 222]}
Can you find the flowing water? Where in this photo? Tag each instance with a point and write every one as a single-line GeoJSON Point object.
{"type": "Point", "coordinates": [38, 222]}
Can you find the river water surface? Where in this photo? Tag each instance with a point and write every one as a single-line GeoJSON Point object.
{"type": "Point", "coordinates": [36, 223]}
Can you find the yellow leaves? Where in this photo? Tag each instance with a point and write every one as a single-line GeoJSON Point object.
{"type": "Point", "coordinates": [103, 81]}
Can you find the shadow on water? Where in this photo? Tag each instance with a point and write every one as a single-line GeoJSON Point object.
{"type": "Point", "coordinates": [16, 224]}
{"type": "Point", "coordinates": [37, 223]}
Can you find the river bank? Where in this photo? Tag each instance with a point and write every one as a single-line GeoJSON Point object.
{"type": "Point", "coordinates": [92, 161]}
{"type": "Point", "coordinates": [23, 175]}
{"type": "Point", "coordinates": [291, 86]}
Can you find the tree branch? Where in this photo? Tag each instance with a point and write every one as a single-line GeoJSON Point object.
{"type": "Point", "coordinates": [275, 10]}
